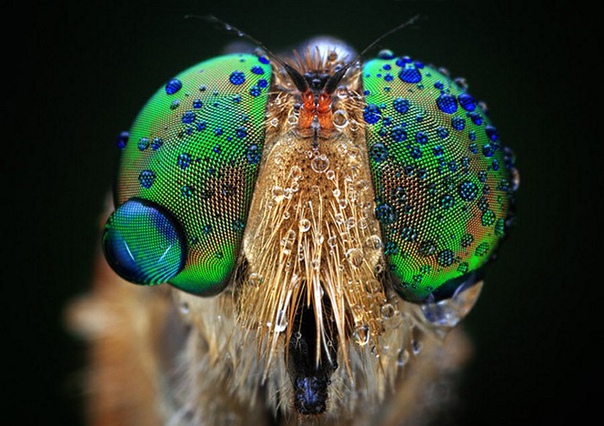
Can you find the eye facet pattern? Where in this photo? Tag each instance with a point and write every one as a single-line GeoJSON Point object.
{"type": "Point", "coordinates": [442, 178]}
{"type": "Point", "coordinates": [143, 243]}
{"type": "Point", "coordinates": [194, 151]}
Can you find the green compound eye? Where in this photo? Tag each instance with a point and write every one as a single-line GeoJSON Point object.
{"type": "Point", "coordinates": [188, 169]}
{"type": "Point", "coordinates": [442, 179]}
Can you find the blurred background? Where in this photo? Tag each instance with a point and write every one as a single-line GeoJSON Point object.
{"type": "Point", "coordinates": [77, 75]}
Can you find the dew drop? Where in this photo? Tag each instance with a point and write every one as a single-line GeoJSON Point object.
{"type": "Point", "coordinates": [304, 225]}
{"type": "Point", "coordinates": [374, 242]}
{"type": "Point", "coordinates": [320, 163]}
{"type": "Point", "coordinates": [277, 193]}
{"type": "Point", "coordinates": [281, 321]}
{"type": "Point", "coordinates": [340, 119]}
{"type": "Point", "coordinates": [355, 256]}
{"type": "Point", "coordinates": [361, 335]}
{"type": "Point", "coordinates": [388, 311]}
{"type": "Point", "coordinates": [255, 279]}
{"type": "Point", "coordinates": [403, 358]}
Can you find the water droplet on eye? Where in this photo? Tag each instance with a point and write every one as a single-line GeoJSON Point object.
{"type": "Point", "coordinates": [143, 243]}
{"type": "Point", "coordinates": [281, 321]}
{"type": "Point", "coordinates": [403, 358]}
{"type": "Point", "coordinates": [351, 222]}
{"type": "Point", "coordinates": [320, 163]}
{"type": "Point", "coordinates": [331, 241]}
{"type": "Point", "coordinates": [315, 263]}
{"type": "Point", "coordinates": [339, 217]}
{"type": "Point", "coordinates": [304, 225]}
{"type": "Point", "coordinates": [355, 256]}
{"type": "Point", "coordinates": [361, 335]}
{"type": "Point", "coordinates": [330, 174]}
{"type": "Point", "coordinates": [342, 93]}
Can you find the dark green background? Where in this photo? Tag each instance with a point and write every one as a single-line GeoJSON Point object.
{"type": "Point", "coordinates": [77, 76]}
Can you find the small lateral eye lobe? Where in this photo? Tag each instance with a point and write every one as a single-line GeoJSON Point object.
{"type": "Point", "coordinates": [444, 182]}
{"type": "Point", "coordinates": [186, 177]}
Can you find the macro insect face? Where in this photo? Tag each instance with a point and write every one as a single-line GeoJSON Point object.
{"type": "Point", "coordinates": [311, 213]}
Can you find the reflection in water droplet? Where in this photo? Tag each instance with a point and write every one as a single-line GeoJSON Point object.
{"type": "Point", "coordinates": [388, 311]}
{"type": "Point", "coordinates": [374, 242]}
{"type": "Point", "coordinates": [320, 163]}
{"type": "Point", "coordinates": [281, 321]}
{"type": "Point", "coordinates": [403, 358]}
{"type": "Point", "coordinates": [449, 312]}
{"type": "Point", "coordinates": [355, 257]}
{"type": "Point", "coordinates": [255, 279]}
{"type": "Point", "coordinates": [304, 225]}
{"type": "Point", "coordinates": [277, 193]}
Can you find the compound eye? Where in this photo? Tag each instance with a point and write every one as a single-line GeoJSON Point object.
{"type": "Point", "coordinates": [143, 243]}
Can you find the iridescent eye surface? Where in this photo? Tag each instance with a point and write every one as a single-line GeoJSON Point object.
{"type": "Point", "coordinates": [442, 178]}
{"type": "Point", "coordinates": [187, 175]}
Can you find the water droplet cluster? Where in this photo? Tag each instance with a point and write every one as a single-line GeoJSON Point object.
{"type": "Point", "coordinates": [192, 155]}
{"type": "Point", "coordinates": [442, 178]}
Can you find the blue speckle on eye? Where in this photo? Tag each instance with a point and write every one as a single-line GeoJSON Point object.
{"type": "Point", "coordinates": [491, 132]}
{"type": "Point", "coordinates": [437, 151]}
{"type": "Point", "coordinates": [482, 176]}
{"type": "Point", "coordinates": [446, 103]}
{"type": "Point", "coordinates": [468, 190]}
{"type": "Point", "coordinates": [173, 86]}
{"type": "Point", "coordinates": [237, 78]}
{"type": "Point", "coordinates": [175, 104]}
{"type": "Point", "coordinates": [206, 229]}
{"type": "Point", "coordinates": [197, 103]}
{"type": "Point", "coordinates": [398, 133]}
{"type": "Point", "coordinates": [488, 150]}
{"type": "Point", "coordinates": [371, 114]}
{"type": "Point", "coordinates": [184, 160]}
{"type": "Point", "coordinates": [495, 164]}
{"type": "Point", "coordinates": [253, 154]}
{"type": "Point", "coordinates": [467, 102]}
{"type": "Point", "coordinates": [410, 75]}
{"type": "Point", "coordinates": [442, 132]}
{"type": "Point", "coordinates": [241, 132]}
{"type": "Point", "coordinates": [262, 83]}
{"type": "Point", "coordinates": [143, 143]}
{"type": "Point", "coordinates": [416, 153]}
{"type": "Point", "coordinates": [122, 140]}
{"type": "Point", "coordinates": [201, 126]}
{"type": "Point", "coordinates": [188, 117]}
{"type": "Point", "coordinates": [385, 214]}
{"type": "Point", "coordinates": [401, 105]}
{"type": "Point", "coordinates": [156, 143]}
{"type": "Point", "coordinates": [378, 152]}
{"type": "Point", "coordinates": [255, 91]}
{"type": "Point", "coordinates": [237, 98]}
{"type": "Point", "coordinates": [472, 135]}
{"type": "Point", "coordinates": [388, 77]}
{"type": "Point", "coordinates": [458, 123]}
{"type": "Point", "coordinates": [475, 117]}
{"type": "Point", "coordinates": [257, 70]}
{"type": "Point", "coordinates": [217, 149]}
{"type": "Point", "coordinates": [146, 178]}
{"type": "Point", "coordinates": [473, 148]}
{"type": "Point", "coordinates": [390, 248]}
{"type": "Point", "coordinates": [218, 131]}
{"type": "Point", "coordinates": [421, 138]}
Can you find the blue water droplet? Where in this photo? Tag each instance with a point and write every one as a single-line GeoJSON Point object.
{"type": "Point", "coordinates": [488, 218]}
{"type": "Point", "coordinates": [458, 123]}
{"type": "Point", "coordinates": [156, 143]}
{"type": "Point", "coordinates": [416, 153]}
{"type": "Point", "coordinates": [442, 132]}
{"type": "Point", "coordinates": [488, 150]}
{"type": "Point", "coordinates": [262, 83]}
{"type": "Point", "coordinates": [421, 138]}
{"type": "Point", "coordinates": [437, 151]}
{"type": "Point", "coordinates": [475, 117]}
{"type": "Point", "coordinates": [201, 126]}
{"type": "Point", "coordinates": [263, 60]}
{"type": "Point", "coordinates": [173, 86]}
{"type": "Point", "coordinates": [188, 117]}
{"type": "Point", "coordinates": [398, 133]}
{"type": "Point", "coordinates": [184, 160]}
{"type": "Point", "coordinates": [255, 91]}
{"type": "Point", "coordinates": [467, 102]}
{"type": "Point", "coordinates": [241, 132]}
{"type": "Point", "coordinates": [401, 105]}
{"type": "Point", "coordinates": [143, 143]}
{"type": "Point", "coordinates": [426, 248]}
{"type": "Point", "coordinates": [197, 103]}
{"type": "Point", "coordinates": [410, 74]}
{"type": "Point", "coordinates": [467, 240]}
{"type": "Point", "coordinates": [385, 214]}
{"type": "Point", "coordinates": [146, 178]}
{"type": "Point", "coordinates": [122, 140]}
{"type": "Point", "coordinates": [237, 78]}
{"type": "Point", "coordinates": [446, 103]}
{"type": "Point", "coordinates": [445, 258]}
{"type": "Point", "coordinates": [143, 243]}
{"type": "Point", "coordinates": [491, 132]}
{"type": "Point", "coordinates": [447, 201]}
{"type": "Point", "coordinates": [371, 113]}
{"type": "Point", "coordinates": [257, 70]}
{"type": "Point", "coordinates": [378, 152]}
{"type": "Point", "coordinates": [468, 190]}
{"type": "Point", "coordinates": [253, 154]}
